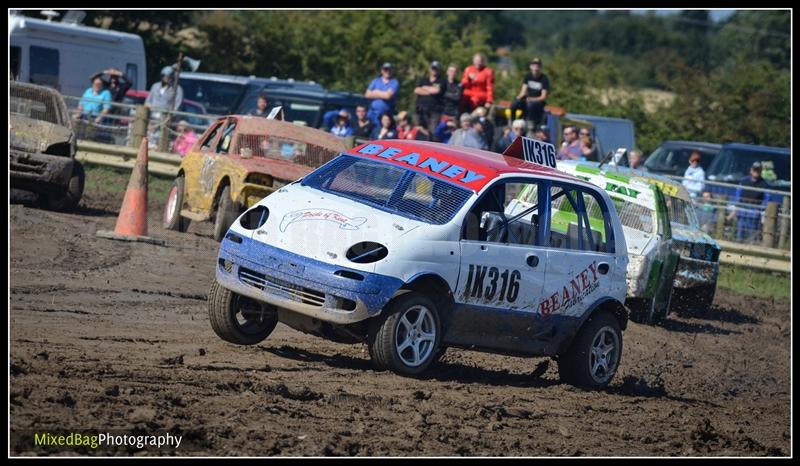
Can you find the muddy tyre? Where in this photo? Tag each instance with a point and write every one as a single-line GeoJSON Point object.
{"type": "Point", "coordinates": [68, 199]}
{"type": "Point", "coordinates": [405, 337]}
{"type": "Point", "coordinates": [238, 319]}
{"type": "Point", "coordinates": [172, 209]}
{"type": "Point", "coordinates": [594, 356]}
{"type": "Point", "coordinates": [225, 215]}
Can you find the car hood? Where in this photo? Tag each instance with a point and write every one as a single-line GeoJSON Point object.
{"type": "Point", "coordinates": [31, 135]}
{"type": "Point", "coordinates": [691, 235]}
{"type": "Point", "coordinates": [323, 226]}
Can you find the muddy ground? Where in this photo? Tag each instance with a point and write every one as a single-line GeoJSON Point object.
{"type": "Point", "coordinates": [114, 336]}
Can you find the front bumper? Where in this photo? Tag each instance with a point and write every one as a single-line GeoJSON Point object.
{"type": "Point", "coordinates": [693, 273]}
{"type": "Point", "coordinates": [39, 172]}
{"type": "Point", "coordinates": [286, 280]}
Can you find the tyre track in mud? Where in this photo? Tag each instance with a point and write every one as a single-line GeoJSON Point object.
{"type": "Point", "coordinates": [137, 352]}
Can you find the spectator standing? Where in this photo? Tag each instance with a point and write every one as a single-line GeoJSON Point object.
{"type": "Point", "coordinates": [571, 147]}
{"type": "Point", "coordinates": [185, 140]}
{"type": "Point", "coordinates": [163, 94]}
{"type": "Point", "coordinates": [478, 84]}
{"type": "Point", "coordinates": [457, 138]}
{"type": "Point", "coordinates": [747, 219]}
{"type": "Point", "coordinates": [532, 95]}
{"type": "Point", "coordinates": [342, 127]}
{"type": "Point", "coordinates": [387, 128]}
{"type": "Point", "coordinates": [694, 176]}
{"type": "Point", "coordinates": [430, 97]}
{"type": "Point", "coordinates": [707, 214]}
{"type": "Point", "coordinates": [95, 102]}
{"type": "Point", "coordinates": [362, 127]}
{"type": "Point", "coordinates": [588, 148]}
{"type": "Point", "coordinates": [116, 82]}
{"type": "Point", "coordinates": [635, 159]}
{"type": "Point", "coordinates": [517, 130]}
{"type": "Point", "coordinates": [262, 107]}
{"type": "Point", "coordinates": [452, 93]}
{"type": "Point", "coordinates": [383, 92]}
{"type": "Point", "coordinates": [445, 129]}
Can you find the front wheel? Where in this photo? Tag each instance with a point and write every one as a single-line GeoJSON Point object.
{"type": "Point", "coordinates": [68, 199]}
{"type": "Point", "coordinates": [594, 356]}
{"type": "Point", "coordinates": [405, 337]}
{"type": "Point", "coordinates": [172, 209]}
{"type": "Point", "coordinates": [225, 215]}
{"type": "Point", "coordinates": [238, 319]}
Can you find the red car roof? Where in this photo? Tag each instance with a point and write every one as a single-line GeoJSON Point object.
{"type": "Point", "coordinates": [468, 167]}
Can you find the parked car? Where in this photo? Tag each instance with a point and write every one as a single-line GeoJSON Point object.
{"type": "Point", "coordinates": [42, 146]}
{"type": "Point", "coordinates": [672, 157]}
{"type": "Point", "coordinates": [134, 97]}
{"type": "Point", "coordinates": [303, 102]}
{"type": "Point", "coordinates": [238, 161]}
{"type": "Point", "coordinates": [734, 162]}
{"type": "Point", "coordinates": [643, 211]}
{"type": "Point", "coordinates": [412, 247]}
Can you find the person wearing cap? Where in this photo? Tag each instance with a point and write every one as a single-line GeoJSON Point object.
{"type": "Point", "coordinates": [518, 128]}
{"type": "Point", "coordinates": [694, 177]}
{"type": "Point", "coordinates": [383, 92]}
{"type": "Point", "coordinates": [342, 127]}
{"type": "Point", "coordinates": [185, 139]}
{"type": "Point", "coordinates": [541, 133]}
{"type": "Point", "coordinates": [163, 94]}
{"type": "Point", "coordinates": [475, 136]}
{"type": "Point", "coordinates": [478, 84]}
{"type": "Point", "coordinates": [533, 93]}
{"type": "Point", "coordinates": [465, 122]}
{"type": "Point", "coordinates": [747, 219]}
{"type": "Point", "coordinates": [430, 97]}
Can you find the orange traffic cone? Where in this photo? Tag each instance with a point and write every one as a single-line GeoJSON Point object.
{"type": "Point", "coordinates": [132, 219]}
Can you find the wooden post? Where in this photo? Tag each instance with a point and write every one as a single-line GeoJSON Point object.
{"type": "Point", "coordinates": [771, 214]}
{"type": "Point", "coordinates": [719, 231]}
{"type": "Point", "coordinates": [783, 240]}
{"type": "Point", "coordinates": [140, 123]}
{"type": "Point", "coordinates": [163, 137]}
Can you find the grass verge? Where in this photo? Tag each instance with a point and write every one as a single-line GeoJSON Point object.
{"type": "Point", "coordinates": [751, 282]}
{"type": "Point", "coordinates": [114, 181]}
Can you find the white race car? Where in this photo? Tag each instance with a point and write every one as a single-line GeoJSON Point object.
{"type": "Point", "coordinates": [643, 212]}
{"type": "Point", "coordinates": [411, 247]}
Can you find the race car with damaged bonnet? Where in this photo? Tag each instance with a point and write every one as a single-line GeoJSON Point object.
{"type": "Point", "coordinates": [652, 262]}
{"type": "Point", "coordinates": [412, 247]}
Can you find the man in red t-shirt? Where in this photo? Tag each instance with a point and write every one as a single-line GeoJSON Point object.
{"type": "Point", "coordinates": [478, 82]}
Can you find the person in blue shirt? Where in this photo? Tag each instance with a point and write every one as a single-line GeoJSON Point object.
{"type": "Point", "coordinates": [748, 205]}
{"type": "Point", "coordinates": [95, 102]}
{"type": "Point", "coordinates": [342, 127]}
{"type": "Point", "coordinates": [383, 92]}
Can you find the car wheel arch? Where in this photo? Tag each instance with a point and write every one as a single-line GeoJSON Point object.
{"type": "Point", "coordinates": [434, 287]}
{"type": "Point", "coordinates": [604, 304]}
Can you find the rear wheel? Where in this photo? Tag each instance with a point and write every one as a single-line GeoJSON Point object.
{"type": "Point", "coordinates": [172, 209]}
{"type": "Point", "coordinates": [225, 215]}
{"type": "Point", "coordinates": [238, 319]}
{"type": "Point", "coordinates": [68, 199]}
{"type": "Point", "coordinates": [405, 337]}
{"type": "Point", "coordinates": [595, 353]}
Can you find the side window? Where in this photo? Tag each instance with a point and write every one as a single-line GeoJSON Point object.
{"type": "Point", "coordinates": [44, 66]}
{"type": "Point", "coordinates": [132, 72]}
{"type": "Point", "coordinates": [212, 135]}
{"type": "Point", "coordinates": [227, 137]}
{"type": "Point", "coordinates": [14, 62]}
{"type": "Point", "coordinates": [578, 220]}
{"type": "Point", "coordinates": [508, 212]}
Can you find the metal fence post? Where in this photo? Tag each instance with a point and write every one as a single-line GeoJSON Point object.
{"type": "Point", "coordinates": [719, 231]}
{"type": "Point", "coordinates": [770, 215]}
{"type": "Point", "coordinates": [140, 125]}
{"type": "Point", "coordinates": [783, 240]}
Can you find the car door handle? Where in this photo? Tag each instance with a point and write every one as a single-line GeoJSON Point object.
{"type": "Point", "coordinates": [602, 268]}
{"type": "Point", "coordinates": [532, 260]}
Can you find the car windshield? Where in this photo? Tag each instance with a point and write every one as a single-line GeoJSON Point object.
{"type": "Point", "coordinates": [389, 188]}
{"type": "Point", "coordinates": [32, 104]}
{"type": "Point", "coordinates": [676, 159]}
{"type": "Point", "coordinates": [734, 164]}
{"type": "Point", "coordinates": [219, 98]}
{"type": "Point", "coordinates": [681, 212]}
{"type": "Point", "coordinates": [304, 113]}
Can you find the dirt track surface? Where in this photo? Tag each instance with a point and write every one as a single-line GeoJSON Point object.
{"type": "Point", "coordinates": [114, 336]}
